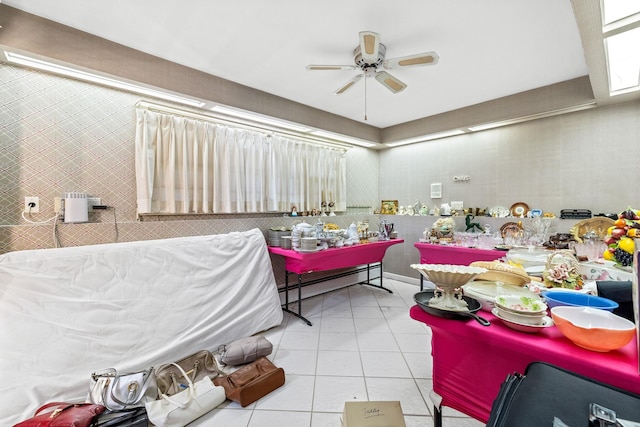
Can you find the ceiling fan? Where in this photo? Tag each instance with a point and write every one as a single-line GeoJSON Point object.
{"type": "Point", "coordinates": [369, 56]}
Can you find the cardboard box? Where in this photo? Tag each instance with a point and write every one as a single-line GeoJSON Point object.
{"type": "Point", "coordinates": [373, 414]}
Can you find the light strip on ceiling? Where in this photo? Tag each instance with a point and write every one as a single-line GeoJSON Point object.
{"type": "Point", "coordinates": [246, 115]}
{"type": "Point", "coordinates": [424, 138]}
{"type": "Point", "coordinates": [39, 64]}
{"type": "Point", "coordinates": [559, 111]}
{"type": "Point", "coordinates": [343, 138]}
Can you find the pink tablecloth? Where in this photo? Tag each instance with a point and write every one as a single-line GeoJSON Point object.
{"type": "Point", "coordinates": [334, 258]}
{"type": "Point", "coordinates": [456, 255]}
{"type": "Point", "coordinates": [470, 361]}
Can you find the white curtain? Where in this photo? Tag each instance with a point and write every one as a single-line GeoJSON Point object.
{"type": "Point", "coordinates": [188, 166]}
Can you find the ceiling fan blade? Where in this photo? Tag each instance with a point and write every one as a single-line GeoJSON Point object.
{"type": "Point", "coordinates": [330, 67]}
{"type": "Point", "coordinates": [342, 89]}
{"type": "Point", "coordinates": [390, 82]}
{"type": "Point", "coordinates": [369, 46]}
{"type": "Point", "coordinates": [417, 60]}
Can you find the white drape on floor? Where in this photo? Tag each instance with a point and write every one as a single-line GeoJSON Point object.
{"type": "Point", "coordinates": [190, 166]}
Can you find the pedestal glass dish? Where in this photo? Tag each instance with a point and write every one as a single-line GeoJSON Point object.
{"type": "Point", "coordinates": [448, 280]}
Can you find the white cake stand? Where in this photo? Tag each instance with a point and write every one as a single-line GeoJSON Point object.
{"type": "Point", "coordinates": [448, 280]}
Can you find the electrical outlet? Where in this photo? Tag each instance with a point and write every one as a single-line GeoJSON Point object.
{"type": "Point", "coordinates": [35, 208]}
{"type": "Point", "coordinates": [92, 201]}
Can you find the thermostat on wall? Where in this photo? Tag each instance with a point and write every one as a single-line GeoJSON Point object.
{"type": "Point", "coordinates": [436, 190]}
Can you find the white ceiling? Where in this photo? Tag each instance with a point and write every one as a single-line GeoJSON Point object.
{"type": "Point", "coordinates": [488, 49]}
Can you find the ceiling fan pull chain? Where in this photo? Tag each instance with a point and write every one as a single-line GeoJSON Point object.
{"type": "Point", "coordinates": [365, 99]}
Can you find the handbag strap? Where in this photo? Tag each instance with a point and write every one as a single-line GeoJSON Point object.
{"type": "Point", "coordinates": [146, 378]}
{"type": "Point", "coordinates": [190, 390]}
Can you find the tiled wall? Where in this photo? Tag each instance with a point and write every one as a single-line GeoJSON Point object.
{"type": "Point", "coordinates": [59, 135]}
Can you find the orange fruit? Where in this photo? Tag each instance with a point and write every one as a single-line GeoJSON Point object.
{"type": "Point", "coordinates": [620, 223]}
{"type": "Point", "coordinates": [626, 244]}
{"type": "Point", "coordinates": [633, 232]}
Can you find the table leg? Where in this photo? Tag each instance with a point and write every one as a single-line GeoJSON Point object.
{"type": "Point", "coordinates": [437, 416]}
{"type": "Point", "coordinates": [368, 281]}
{"type": "Point", "coordinates": [286, 298]}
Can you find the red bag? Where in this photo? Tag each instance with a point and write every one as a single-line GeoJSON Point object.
{"type": "Point", "coordinates": [62, 414]}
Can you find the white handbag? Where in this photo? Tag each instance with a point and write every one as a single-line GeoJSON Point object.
{"type": "Point", "coordinates": [181, 408]}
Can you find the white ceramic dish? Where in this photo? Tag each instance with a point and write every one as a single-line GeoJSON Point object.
{"type": "Point", "coordinates": [307, 250]}
{"type": "Point", "coordinates": [530, 329]}
{"type": "Point", "coordinates": [486, 292]}
{"type": "Point", "coordinates": [521, 304]}
{"type": "Point", "coordinates": [524, 319]}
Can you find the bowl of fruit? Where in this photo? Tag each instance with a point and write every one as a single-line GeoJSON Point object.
{"type": "Point", "coordinates": [620, 238]}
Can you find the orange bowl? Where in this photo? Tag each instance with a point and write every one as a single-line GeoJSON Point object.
{"type": "Point", "coordinates": [593, 329]}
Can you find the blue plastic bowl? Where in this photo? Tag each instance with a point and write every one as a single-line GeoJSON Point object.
{"type": "Point", "coordinates": [577, 299]}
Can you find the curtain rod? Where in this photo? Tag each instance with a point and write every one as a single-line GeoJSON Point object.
{"type": "Point", "coordinates": [160, 108]}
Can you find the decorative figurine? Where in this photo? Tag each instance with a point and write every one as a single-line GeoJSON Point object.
{"type": "Point", "coordinates": [472, 225]}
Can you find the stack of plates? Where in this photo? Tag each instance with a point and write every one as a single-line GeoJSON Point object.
{"type": "Point", "coordinates": [275, 234]}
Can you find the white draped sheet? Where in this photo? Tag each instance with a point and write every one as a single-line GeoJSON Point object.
{"type": "Point", "coordinates": [67, 312]}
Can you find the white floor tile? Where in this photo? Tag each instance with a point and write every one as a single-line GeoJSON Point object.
{"type": "Point", "coordinates": [377, 342]}
{"type": "Point", "coordinates": [298, 362]}
{"type": "Point", "coordinates": [420, 364]}
{"type": "Point", "coordinates": [331, 392]}
{"type": "Point", "coordinates": [367, 312]}
{"type": "Point", "coordinates": [337, 325]}
{"type": "Point", "coordinates": [279, 418]}
{"type": "Point", "coordinates": [384, 364]}
{"type": "Point", "coordinates": [340, 363]}
{"type": "Point", "coordinates": [295, 395]}
{"type": "Point", "coordinates": [224, 418]}
{"type": "Point", "coordinates": [378, 326]}
{"type": "Point", "coordinates": [345, 341]}
{"type": "Point", "coordinates": [325, 419]}
{"type": "Point", "coordinates": [294, 340]}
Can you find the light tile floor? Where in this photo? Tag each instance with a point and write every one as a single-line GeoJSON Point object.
{"type": "Point", "coordinates": [362, 346]}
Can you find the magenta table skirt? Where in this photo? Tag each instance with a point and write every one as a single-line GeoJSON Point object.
{"type": "Point", "coordinates": [456, 255]}
{"type": "Point", "coordinates": [334, 258]}
{"type": "Point", "coordinates": [470, 361]}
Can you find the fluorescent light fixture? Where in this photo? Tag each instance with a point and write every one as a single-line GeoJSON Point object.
{"type": "Point", "coordinates": [425, 138]}
{"type": "Point", "coordinates": [259, 118]}
{"type": "Point", "coordinates": [343, 138]}
{"type": "Point", "coordinates": [39, 64]}
{"type": "Point", "coordinates": [559, 111]}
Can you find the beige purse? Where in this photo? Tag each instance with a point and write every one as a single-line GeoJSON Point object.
{"type": "Point", "coordinates": [172, 380]}
{"type": "Point", "coordinates": [245, 350]}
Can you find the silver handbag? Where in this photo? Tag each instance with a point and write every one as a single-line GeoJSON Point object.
{"type": "Point", "coordinates": [119, 392]}
{"type": "Point", "coordinates": [245, 350]}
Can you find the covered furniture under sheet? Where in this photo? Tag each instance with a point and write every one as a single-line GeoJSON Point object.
{"type": "Point", "coordinates": [65, 313]}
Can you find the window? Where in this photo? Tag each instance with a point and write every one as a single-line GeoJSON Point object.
{"type": "Point", "coordinates": [189, 166]}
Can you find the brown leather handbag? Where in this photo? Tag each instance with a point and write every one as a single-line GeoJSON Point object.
{"type": "Point", "coordinates": [251, 382]}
